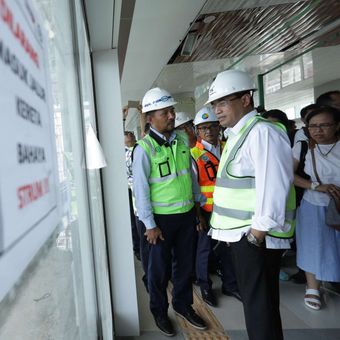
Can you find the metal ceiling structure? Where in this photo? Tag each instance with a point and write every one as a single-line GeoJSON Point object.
{"type": "Point", "coordinates": [270, 38]}
{"type": "Point", "coordinates": [289, 27]}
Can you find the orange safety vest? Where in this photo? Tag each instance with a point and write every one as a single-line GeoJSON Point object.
{"type": "Point", "coordinates": [207, 165]}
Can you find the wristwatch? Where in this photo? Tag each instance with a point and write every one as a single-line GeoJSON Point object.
{"type": "Point", "coordinates": [314, 185]}
{"type": "Point", "coordinates": [253, 240]}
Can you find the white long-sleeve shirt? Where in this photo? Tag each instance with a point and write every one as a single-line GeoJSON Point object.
{"type": "Point", "coordinates": [141, 170]}
{"type": "Point", "coordinates": [215, 150]}
{"type": "Point", "coordinates": [266, 155]}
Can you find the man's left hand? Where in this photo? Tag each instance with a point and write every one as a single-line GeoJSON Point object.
{"type": "Point", "coordinates": [202, 225]}
{"type": "Point", "coordinates": [260, 235]}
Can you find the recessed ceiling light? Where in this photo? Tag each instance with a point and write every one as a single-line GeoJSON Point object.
{"type": "Point", "coordinates": [209, 19]}
{"type": "Point", "coordinates": [189, 44]}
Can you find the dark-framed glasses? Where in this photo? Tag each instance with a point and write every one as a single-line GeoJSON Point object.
{"type": "Point", "coordinates": [322, 126]}
{"type": "Point", "coordinates": [223, 103]}
{"type": "Point", "coordinates": [207, 128]}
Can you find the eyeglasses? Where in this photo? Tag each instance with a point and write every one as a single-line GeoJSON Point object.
{"type": "Point", "coordinates": [223, 103]}
{"type": "Point", "coordinates": [322, 126]}
{"type": "Point", "coordinates": [208, 127]}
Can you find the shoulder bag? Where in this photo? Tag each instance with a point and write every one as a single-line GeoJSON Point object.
{"type": "Point", "coordinates": [332, 213]}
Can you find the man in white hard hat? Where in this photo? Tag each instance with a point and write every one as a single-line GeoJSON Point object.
{"type": "Point", "coordinates": [254, 204]}
{"type": "Point", "coordinates": [165, 192]}
{"type": "Point", "coordinates": [207, 153]}
{"type": "Point", "coordinates": [184, 123]}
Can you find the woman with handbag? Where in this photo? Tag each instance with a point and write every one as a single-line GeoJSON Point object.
{"type": "Point", "coordinates": [318, 240]}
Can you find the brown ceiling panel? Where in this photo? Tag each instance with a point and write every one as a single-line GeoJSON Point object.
{"type": "Point", "coordinates": [262, 30]}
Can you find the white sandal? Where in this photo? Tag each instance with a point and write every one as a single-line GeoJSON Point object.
{"type": "Point", "coordinates": [314, 301]}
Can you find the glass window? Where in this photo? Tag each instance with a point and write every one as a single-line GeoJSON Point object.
{"type": "Point", "coordinates": [291, 73]}
{"type": "Point", "coordinates": [272, 81]}
{"type": "Point", "coordinates": [94, 179]}
{"type": "Point", "coordinates": [57, 295]}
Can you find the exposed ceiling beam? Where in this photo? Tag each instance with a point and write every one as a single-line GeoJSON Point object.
{"type": "Point", "coordinates": [157, 28]}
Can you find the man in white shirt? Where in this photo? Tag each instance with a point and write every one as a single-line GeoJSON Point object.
{"type": "Point", "coordinates": [250, 200]}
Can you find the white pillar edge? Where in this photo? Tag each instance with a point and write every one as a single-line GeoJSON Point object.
{"type": "Point", "coordinates": [115, 191]}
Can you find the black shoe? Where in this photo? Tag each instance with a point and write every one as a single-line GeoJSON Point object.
{"type": "Point", "coordinates": [233, 293]}
{"type": "Point", "coordinates": [209, 297]}
{"type": "Point", "coordinates": [164, 324]}
{"type": "Point", "coordinates": [299, 277]}
{"type": "Point", "coordinates": [195, 282]}
{"type": "Point", "coordinates": [335, 287]}
{"type": "Point", "coordinates": [219, 272]}
{"type": "Point", "coordinates": [193, 319]}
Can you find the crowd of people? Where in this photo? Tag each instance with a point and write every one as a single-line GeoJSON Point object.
{"type": "Point", "coordinates": [221, 191]}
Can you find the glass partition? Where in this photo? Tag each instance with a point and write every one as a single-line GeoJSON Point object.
{"type": "Point", "coordinates": [65, 289]}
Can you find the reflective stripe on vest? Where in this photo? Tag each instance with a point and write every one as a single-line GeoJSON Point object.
{"type": "Point", "coordinates": [235, 196]}
{"type": "Point", "coordinates": [177, 204]}
{"type": "Point", "coordinates": [207, 165]}
{"type": "Point", "coordinates": [208, 188]}
{"type": "Point", "coordinates": [170, 176]}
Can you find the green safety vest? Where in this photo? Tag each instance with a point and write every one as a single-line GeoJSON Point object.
{"type": "Point", "coordinates": [235, 196]}
{"type": "Point", "coordinates": [170, 176]}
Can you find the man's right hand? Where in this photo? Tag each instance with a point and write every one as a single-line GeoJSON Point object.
{"type": "Point", "coordinates": [202, 225]}
{"type": "Point", "coordinates": [153, 234]}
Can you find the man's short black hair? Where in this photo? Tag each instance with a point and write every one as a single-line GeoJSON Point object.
{"type": "Point", "coordinates": [242, 93]}
{"type": "Point", "coordinates": [307, 109]}
{"type": "Point", "coordinates": [325, 99]}
{"type": "Point", "coordinates": [147, 128]}
{"type": "Point", "coordinates": [279, 115]}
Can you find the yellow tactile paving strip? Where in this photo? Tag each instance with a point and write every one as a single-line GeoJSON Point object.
{"type": "Point", "coordinates": [215, 330]}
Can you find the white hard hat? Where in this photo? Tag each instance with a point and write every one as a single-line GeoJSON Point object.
{"type": "Point", "coordinates": [181, 118]}
{"type": "Point", "coordinates": [205, 115]}
{"type": "Point", "coordinates": [156, 99]}
{"type": "Point", "coordinates": [229, 82]}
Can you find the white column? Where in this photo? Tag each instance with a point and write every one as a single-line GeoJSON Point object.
{"type": "Point", "coordinates": [116, 202]}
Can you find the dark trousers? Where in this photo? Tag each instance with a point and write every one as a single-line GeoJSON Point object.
{"type": "Point", "coordinates": [257, 273]}
{"type": "Point", "coordinates": [174, 254]}
{"type": "Point", "coordinates": [273, 261]}
{"type": "Point", "coordinates": [144, 246]}
{"type": "Point", "coordinates": [223, 253]}
{"type": "Point", "coordinates": [134, 231]}
{"type": "Point", "coordinates": [204, 253]}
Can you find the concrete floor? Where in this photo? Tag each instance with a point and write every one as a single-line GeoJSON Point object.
{"type": "Point", "coordinates": [298, 321]}
{"type": "Point", "coordinates": [45, 308]}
